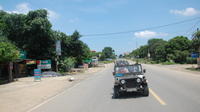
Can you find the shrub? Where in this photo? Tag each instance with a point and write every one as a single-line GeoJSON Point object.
{"type": "Point", "coordinates": [66, 64]}
{"type": "Point", "coordinates": [190, 60]}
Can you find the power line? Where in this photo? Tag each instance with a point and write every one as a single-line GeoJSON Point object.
{"type": "Point", "coordinates": [148, 28]}
{"type": "Point", "coordinates": [191, 30]}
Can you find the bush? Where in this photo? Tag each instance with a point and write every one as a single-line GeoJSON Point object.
{"type": "Point", "coordinates": [66, 64]}
{"type": "Point", "coordinates": [190, 60]}
{"type": "Point", "coordinates": [168, 63]}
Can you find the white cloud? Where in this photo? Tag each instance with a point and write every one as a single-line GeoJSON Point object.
{"type": "Point", "coordinates": [1, 8]}
{"type": "Point", "coordinates": [186, 12]}
{"type": "Point", "coordinates": [149, 34]}
{"type": "Point", "coordinates": [22, 8]}
{"type": "Point", "coordinates": [52, 15]}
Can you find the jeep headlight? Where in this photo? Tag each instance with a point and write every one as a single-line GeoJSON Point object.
{"type": "Point", "coordinates": [123, 81]}
{"type": "Point", "coordinates": [138, 80]}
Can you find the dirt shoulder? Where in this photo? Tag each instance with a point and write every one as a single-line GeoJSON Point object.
{"type": "Point", "coordinates": [24, 94]}
{"type": "Point", "coordinates": [180, 67]}
{"type": "Point", "coordinates": [177, 67]}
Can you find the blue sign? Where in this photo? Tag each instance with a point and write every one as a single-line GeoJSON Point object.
{"type": "Point", "coordinates": [119, 75]}
{"type": "Point", "coordinates": [195, 55]}
{"type": "Point", "coordinates": [37, 74]}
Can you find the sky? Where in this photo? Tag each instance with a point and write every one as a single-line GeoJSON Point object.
{"type": "Point", "coordinates": [110, 16]}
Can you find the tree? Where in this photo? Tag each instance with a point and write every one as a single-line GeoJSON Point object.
{"type": "Point", "coordinates": [160, 53]}
{"type": "Point", "coordinates": [178, 48]}
{"type": "Point", "coordinates": [156, 48]}
{"type": "Point", "coordinates": [196, 41]}
{"type": "Point", "coordinates": [14, 28]}
{"type": "Point", "coordinates": [31, 32]}
{"type": "Point", "coordinates": [107, 52]}
{"type": "Point", "coordinates": [8, 51]}
{"type": "Point", "coordinates": [40, 42]}
{"type": "Point", "coordinates": [72, 46]}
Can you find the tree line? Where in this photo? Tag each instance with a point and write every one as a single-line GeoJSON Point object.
{"type": "Point", "coordinates": [33, 33]}
{"type": "Point", "coordinates": [175, 50]}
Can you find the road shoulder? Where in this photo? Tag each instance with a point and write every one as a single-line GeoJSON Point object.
{"type": "Point", "coordinates": [24, 94]}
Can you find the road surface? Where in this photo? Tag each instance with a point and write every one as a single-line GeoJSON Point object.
{"type": "Point", "coordinates": [170, 91]}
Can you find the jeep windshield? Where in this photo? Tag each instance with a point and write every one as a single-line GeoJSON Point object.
{"type": "Point", "coordinates": [128, 69]}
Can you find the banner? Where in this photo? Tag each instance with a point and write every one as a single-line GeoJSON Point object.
{"type": "Point", "coordinates": [44, 64]}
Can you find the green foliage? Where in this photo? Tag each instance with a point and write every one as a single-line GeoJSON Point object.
{"type": "Point", "coordinates": [8, 51]}
{"type": "Point", "coordinates": [72, 46]}
{"type": "Point", "coordinates": [157, 49]}
{"type": "Point", "coordinates": [175, 50]}
{"type": "Point", "coordinates": [33, 33]}
{"type": "Point", "coordinates": [190, 60]}
{"type": "Point", "coordinates": [66, 64]}
{"type": "Point", "coordinates": [96, 54]}
{"type": "Point", "coordinates": [40, 43]}
{"type": "Point", "coordinates": [107, 53]}
{"type": "Point", "coordinates": [141, 52]}
{"type": "Point", "coordinates": [178, 49]}
{"type": "Point", "coordinates": [168, 63]}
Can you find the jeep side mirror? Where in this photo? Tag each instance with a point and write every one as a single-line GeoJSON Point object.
{"type": "Point", "coordinates": [113, 73]}
{"type": "Point", "coordinates": [144, 70]}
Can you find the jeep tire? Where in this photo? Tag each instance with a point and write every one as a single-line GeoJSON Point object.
{"type": "Point", "coordinates": [146, 91]}
{"type": "Point", "coordinates": [116, 93]}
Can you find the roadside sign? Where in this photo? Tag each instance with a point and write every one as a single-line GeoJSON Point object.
{"type": "Point", "coordinates": [58, 47]}
{"type": "Point", "coordinates": [37, 74]}
{"type": "Point", "coordinates": [22, 54]}
{"type": "Point", "coordinates": [194, 55]}
{"type": "Point", "coordinates": [44, 64]}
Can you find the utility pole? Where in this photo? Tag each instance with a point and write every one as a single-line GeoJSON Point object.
{"type": "Point", "coordinates": [10, 69]}
{"type": "Point", "coordinates": [58, 53]}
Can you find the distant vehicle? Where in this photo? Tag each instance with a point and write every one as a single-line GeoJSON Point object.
{"type": "Point", "coordinates": [130, 78]}
{"type": "Point", "coordinates": [108, 59]}
{"type": "Point", "coordinates": [95, 61]}
{"type": "Point", "coordinates": [121, 62]}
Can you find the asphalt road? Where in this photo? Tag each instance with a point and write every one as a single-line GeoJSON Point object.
{"type": "Point", "coordinates": [170, 91]}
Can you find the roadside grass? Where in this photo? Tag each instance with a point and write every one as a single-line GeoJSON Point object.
{"type": "Point", "coordinates": [149, 61]}
{"type": "Point", "coordinates": [168, 63]}
{"type": "Point", "coordinates": [193, 69]}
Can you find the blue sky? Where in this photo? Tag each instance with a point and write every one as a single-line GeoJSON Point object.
{"type": "Point", "coordinates": [106, 16]}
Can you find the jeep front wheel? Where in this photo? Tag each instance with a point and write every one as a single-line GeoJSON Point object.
{"type": "Point", "coordinates": [116, 93]}
{"type": "Point", "coordinates": [146, 91]}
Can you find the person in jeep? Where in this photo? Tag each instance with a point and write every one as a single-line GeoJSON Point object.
{"type": "Point", "coordinates": [130, 78]}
